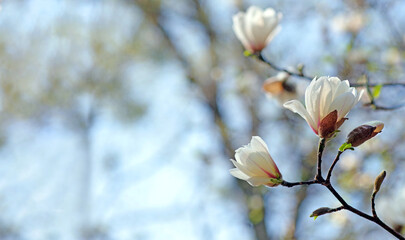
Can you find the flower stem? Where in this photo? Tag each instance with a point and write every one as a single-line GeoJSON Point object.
{"type": "Point", "coordinates": [332, 166]}
{"type": "Point", "coordinates": [321, 147]}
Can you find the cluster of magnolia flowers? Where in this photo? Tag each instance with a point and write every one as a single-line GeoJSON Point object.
{"type": "Point", "coordinates": [327, 102]}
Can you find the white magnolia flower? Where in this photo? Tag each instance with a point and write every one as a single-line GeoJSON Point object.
{"type": "Point", "coordinates": [327, 102]}
{"type": "Point", "coordinates": [255, 165]}
{"type": "Point", "coordinates": [256, 28]}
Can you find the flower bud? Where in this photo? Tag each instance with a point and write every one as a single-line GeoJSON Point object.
{"type": "Point", "coordinates": [364, 132]}
{"type": "Point", "coordinates": [255, 165]}
{"type": "Point", "coordinates": [320, 211]}
{"type": "Point", "coordinates": [378, 181]}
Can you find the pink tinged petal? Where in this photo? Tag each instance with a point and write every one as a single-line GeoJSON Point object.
{"type": "Point", "coordinates": [257, 181]}
{"type": "Point", "coordinates": [238, 174]}
{"type": "Point", "coordinates": [264, 160]}
{"type": "Point", "coordinates": [260, 163]}
{"type": "Point", "coordinates": [256, 165]}
{"type": "Point", "coordinates": [343, 104]}
{"type": "Point", "coordinates": [297, 107]}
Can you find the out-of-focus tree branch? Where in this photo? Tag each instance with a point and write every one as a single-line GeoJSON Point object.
{"type": "Point", "coordinates": [208, 87]}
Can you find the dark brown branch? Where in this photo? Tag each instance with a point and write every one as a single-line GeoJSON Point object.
{"type": "Point", "coordinates": [346, 206]}
{"type": "Point", "coordinates": [292, 184]}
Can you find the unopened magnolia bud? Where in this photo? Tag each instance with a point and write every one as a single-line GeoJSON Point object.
{"type": "Point", "coordinates": [320, 211]}
{"type": "Point", "coordinates": [364, 132]}
{"type": "Point", "coordinates": [378, 181]}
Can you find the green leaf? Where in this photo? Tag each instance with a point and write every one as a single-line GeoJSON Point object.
{"type": "Point", "coordinates": [346, 146]}
{"type": "Point", "coordinates": [377, 90]}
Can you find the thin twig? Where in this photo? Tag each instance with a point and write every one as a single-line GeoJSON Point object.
{"type": "Point", "coordinates": [332, 166]}
{"type": "Point", "coordinates": [280, 69]}
{"type": "Point", "coordinates": [309, 78]}
{"type": "Point", "coordinates": [373, 204]}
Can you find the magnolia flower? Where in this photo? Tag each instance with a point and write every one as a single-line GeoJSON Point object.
{"type": "Point", "coordinates": [256, 28]}
{"type": "Point", "coordinates": [277, 87]}
{"type": "Point", "coordinates": [327, 102]}
{"type": "Point", "coordinates": [255, 165]}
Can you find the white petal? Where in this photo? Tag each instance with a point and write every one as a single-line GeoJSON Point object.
{"type": "Point", "coordinates": [359, 95]}
{"type": "Point", "coordinates": [312, 99]}
{"type": "Point", "coordinates": [343, 87]}
{"type": "Point", "coordinates": [343, 104]}
{"type": "Point", "coordinates": [335, 82]}
{"type": "Point", "coordinates": [297, 107]}
{"type": "Point", "coordinates": [239, 27]}
{"type": "Point", "coordinates": [325, 98]}
{"type": "Point", "coordinates": [252, 15]}
{"type": "Point", "coordinates": [257, 181]}
{"type": "Point", "coordinates": [241, 154]}
{"type": "Point", "coordinates": [258, 144]}
{"type": "Point", "coordinates": [238, 174]}
{"type": "Point", "coordinates": [272, 34]}
{"type": "Point", "coordinates": [242, 168]}
{"type": "Point", "coordinates": [266, 161]}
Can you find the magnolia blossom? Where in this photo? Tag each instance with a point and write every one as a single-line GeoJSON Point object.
{"type": "Point", "coordinates": [327, 102]}
{"type": "Point", "coordinates": [256, 28]}
{"type": "Point", "coordinates": [255, 165]}
{"type": "Point", "coordinates": [277, 87]}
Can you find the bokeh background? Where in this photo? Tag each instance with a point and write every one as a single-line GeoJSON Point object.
{"type": "Point", "coordinates": [118, 119]}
